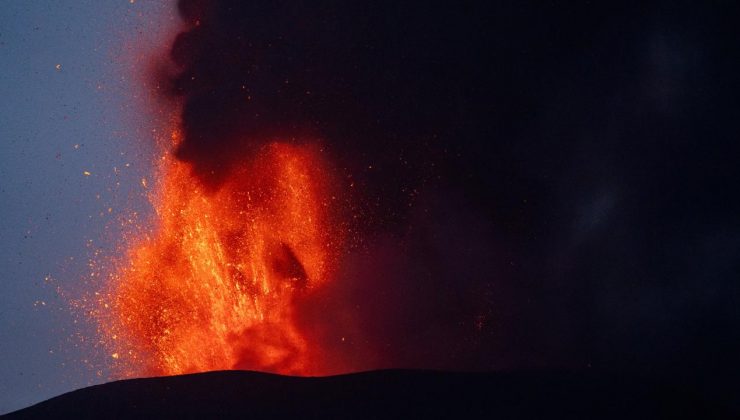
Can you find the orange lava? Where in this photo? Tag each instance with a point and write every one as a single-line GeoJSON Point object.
{"type": "Point", "coordinates": [214, 285]}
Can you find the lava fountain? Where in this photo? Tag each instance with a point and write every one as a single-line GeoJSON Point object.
{"type": "Point", "coordinates": [214, 285]}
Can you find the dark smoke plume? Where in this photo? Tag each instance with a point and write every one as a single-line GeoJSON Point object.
{"type": "Point", "coordinates": [538, 184]}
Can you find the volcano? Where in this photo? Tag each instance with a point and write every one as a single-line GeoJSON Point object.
{"type": "Point", "coordinates": [502, 187]}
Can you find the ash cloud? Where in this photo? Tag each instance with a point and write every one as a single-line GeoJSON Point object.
{"type": "Point", "coordinates": [537, 185]}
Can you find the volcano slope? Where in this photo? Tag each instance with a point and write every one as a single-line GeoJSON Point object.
{"type": "Point", "coordinates": [387, 393]}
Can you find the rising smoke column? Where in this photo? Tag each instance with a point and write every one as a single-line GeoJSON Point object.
{"type": "Point", "coordinates": [303, 220]}
{"type": "Point", "coordinates": [371, 81]}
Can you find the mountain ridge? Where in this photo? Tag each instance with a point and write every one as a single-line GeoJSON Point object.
{"type": "Point", "coordinates": [384, 394]}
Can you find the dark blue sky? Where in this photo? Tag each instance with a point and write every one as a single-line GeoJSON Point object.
{"type": "Point", "coordinates": [55, 124]}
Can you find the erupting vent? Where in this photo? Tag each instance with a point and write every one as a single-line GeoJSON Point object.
{"type": "Point", "coordinates": [214, 285]}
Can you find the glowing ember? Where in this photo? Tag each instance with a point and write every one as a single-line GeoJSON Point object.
{"type": "Point", "coordinates": [214, 285]}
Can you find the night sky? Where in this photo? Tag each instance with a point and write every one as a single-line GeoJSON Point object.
{"type": "Point", "coordinates": [536, 184]}
{"type": "Point", "coordinates": [55, 124]}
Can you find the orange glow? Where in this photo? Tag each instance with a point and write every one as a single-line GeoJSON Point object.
{"type": "Point", "coordinates": [214, 285]}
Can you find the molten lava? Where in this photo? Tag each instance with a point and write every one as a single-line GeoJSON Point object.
{"type": "Point", "coordinates": [214, 285]}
